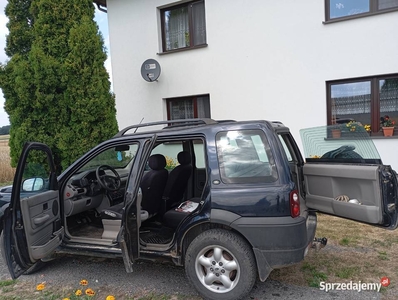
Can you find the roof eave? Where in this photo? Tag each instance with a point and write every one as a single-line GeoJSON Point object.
{"type": "Point", "coordinates": [101, 4]}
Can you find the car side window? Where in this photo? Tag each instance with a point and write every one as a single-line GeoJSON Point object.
{"type": "Point", "coordinates": [245, 157]}
{"type": "Point", "coordinates": [36, 176]}
{"type": "Point", "coordinates": [116, 157]}
{"type": "Point", "coordinates": [199, 150]}
{"type": "Point", "coordinates": [286, 149]}
{"type": "Point", "coordinates": [170, 151]}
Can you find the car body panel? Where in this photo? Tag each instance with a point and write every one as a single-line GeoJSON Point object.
{"type": "Point", "coordinates": [5, 194]}
{"type": "Point", "coordinates": [130, 229]}
{"type": "Point", "coordinates": [32, 227]}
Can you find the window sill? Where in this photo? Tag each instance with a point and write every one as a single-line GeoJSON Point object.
{"type": "Point", "coordinates": [378, 136]}
{"type": "Point", "coordinates": [364, 15]}
{"type": "Point", "coordinates": [183, 49]}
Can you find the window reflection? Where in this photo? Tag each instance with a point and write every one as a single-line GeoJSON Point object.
{"type": "Point", "coordinates": [389, 98]}
{"type": "Point", "coordinates": [351, 102]}
{"type": "Point", "coordinates": [245, 157]}
{"type": "Point", "coordinates": [351, 8]}
{"type": "Point", "coordinates": [343, 8]}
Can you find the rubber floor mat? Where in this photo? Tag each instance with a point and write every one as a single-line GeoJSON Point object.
{"type": "Point", "coordinates": [156, 236]}
{"type": "Point", "coordinates": [86, 230]}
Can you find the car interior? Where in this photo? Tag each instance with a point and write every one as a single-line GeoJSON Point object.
{"type": "Point", "coordinates": [170, 189]}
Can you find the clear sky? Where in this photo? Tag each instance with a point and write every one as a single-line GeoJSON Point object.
{"type": "Point", "coordinates": [101, 19]}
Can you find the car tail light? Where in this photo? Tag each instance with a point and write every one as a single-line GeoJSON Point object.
{"type": "Point", "coordinates": [294, 204]}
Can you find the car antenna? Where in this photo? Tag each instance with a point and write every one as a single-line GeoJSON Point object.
{"type": "Point", "coordinates": [138, 124]}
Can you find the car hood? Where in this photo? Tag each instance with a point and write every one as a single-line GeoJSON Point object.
{"type": "Point", "coordinates": [6, 189]}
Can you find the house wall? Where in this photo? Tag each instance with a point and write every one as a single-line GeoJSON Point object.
{"type": "Point", "coordinates": [264, 60]}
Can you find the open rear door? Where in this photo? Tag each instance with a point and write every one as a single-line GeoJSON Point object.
{"type": "Point", "coordinates": [129, 236]}
{"type": "Point", "coordinates": [345, 177]}
{"type": "Point", "coordinates": [366, 193]}
{"type": "Point", "coordinates": [32, 222]}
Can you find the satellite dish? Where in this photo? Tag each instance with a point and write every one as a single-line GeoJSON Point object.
{"type": "Point", "coordinates": [150, 70]}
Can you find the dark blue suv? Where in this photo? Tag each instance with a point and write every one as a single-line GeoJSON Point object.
{"type": "Point", "coordinates": [230, 201]}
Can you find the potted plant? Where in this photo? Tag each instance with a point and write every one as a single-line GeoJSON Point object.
{"type": "Point", "coordinates": [353, 129]}
{"type": "Point", "coordinates": [388, 125]}
{"type": "Point", "coordinates": [353, 126]}
{"type": "Point", "coordinates": [336, 131]}
{"type": "Point", "coordinates": [367, 128]}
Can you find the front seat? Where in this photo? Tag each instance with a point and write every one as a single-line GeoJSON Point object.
{"type": "Point", "coordinates": [149, 195]}
{"type": "Point", "coordinates": [177, 182]}
{"type": "Point", "coordinates": [153, 184]}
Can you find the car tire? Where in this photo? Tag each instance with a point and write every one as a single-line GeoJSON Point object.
{"type": "Point", "coordinates": [35, 268]}
{"type": "Point", "coordinates": [221, 265]}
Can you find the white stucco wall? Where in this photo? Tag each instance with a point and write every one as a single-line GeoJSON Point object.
{"type": "Point", "coordinates": [264, 60]}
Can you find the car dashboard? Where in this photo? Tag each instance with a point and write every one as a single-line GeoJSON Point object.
{"type": "Point", "coordinates": [83, 192]}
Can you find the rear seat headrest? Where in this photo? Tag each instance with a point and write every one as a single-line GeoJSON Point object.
{"type": "Point", "coordinates": [184, 158]}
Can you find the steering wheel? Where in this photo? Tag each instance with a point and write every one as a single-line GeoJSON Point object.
{"type": "Point", "coordinates": [109, 183]}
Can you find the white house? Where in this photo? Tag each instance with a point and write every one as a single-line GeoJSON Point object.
{"type": "Point", "coordinates": [305, 63]}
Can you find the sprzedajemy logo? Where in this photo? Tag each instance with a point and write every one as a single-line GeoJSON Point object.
{"type": "Point", "coordinates": [354, 286]}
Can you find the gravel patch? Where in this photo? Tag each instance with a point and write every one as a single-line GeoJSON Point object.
{"type": "Point", "coordinates": [108, 276]}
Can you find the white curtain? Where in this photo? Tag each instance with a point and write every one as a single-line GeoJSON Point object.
{"type": "Point", "coordinates": [203, 107]}
{"type": "Point", "coordinates": [182, 109]}
{"type": "Point", "coordinates": [177, 28]}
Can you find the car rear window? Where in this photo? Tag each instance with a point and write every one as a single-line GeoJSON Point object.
{"type": "Point", "coordinates": [352, 145]}
{"type": "Point", "coordinates": [245, 157]}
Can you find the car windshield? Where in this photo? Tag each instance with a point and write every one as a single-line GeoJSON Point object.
{"type": "Point", "coordinates": [341, 142]}
{"type": "Point", "coordinates": [116, 157]}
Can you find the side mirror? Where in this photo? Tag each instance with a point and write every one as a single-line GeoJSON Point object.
{"type": "Point", "coordinates": [33, 184]}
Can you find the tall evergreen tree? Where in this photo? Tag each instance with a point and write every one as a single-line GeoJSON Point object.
{"type": "Point", "coordinates": [13, 81]}
{"type": "Point", "coordinates": [92, 108]}
{"type": "Point", "coordinates": [61, 92]}
{"type": "Point", "coordinates": [19, 39]}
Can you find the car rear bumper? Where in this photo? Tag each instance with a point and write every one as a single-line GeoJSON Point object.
{"type": "Point", "coordinates": [280, 241]}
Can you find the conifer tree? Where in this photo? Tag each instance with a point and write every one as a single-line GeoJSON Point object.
{"type": "Point", "coordinates": [60, 93]}
{"type": "Point", "coordinates": [13, 74]}
{"type": "Point", "coordinates": [19, 39]}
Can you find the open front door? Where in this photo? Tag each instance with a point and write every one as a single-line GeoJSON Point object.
{"type": "Point", "coordinates": [32, 222]}
{"type": "Point", "coordinates": [129, 236]}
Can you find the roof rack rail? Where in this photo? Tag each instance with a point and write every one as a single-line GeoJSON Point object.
{"type": "Point", "coordinates": [173, 123]}
{"type": "Point", "coordinates": [226, 121]}
{"type": "Point", "coordinates": [277, 123]}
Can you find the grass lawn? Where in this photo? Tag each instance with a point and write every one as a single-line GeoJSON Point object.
{"type": "Point", "coordinates": [355, 252]}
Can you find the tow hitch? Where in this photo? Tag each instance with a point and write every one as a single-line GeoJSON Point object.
{"type": "Point", "coordinates": [319, 243]}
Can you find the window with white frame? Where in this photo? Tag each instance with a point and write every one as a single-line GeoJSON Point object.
{"type": "Point", "coordinates": [183, 26]}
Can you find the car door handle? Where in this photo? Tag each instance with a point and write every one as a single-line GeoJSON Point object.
{"type": "Point", "coordinates": [41, 220]}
